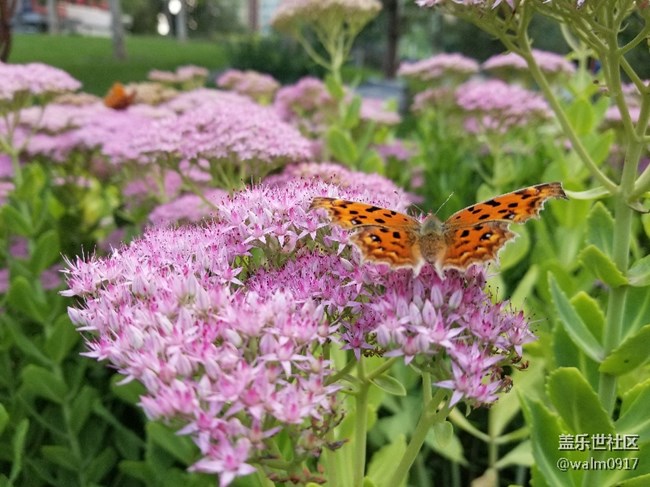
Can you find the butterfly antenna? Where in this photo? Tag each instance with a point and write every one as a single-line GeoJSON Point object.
{"type": "Point", "coordinates": [444, 203]}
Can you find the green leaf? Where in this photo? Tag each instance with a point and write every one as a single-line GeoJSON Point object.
{"type": "Point", "coordinates": [640, 481]}
{"type": "Point", "coordinates": [514, 252]}
{"type": "Point", "coordinates": [593, 259]}
{"type": "Point", "coordinates": [639, 274]}
{"type": "Point", "coordinates": [18, 448]}
{"type": "Point", "coordinates": [62, 339]}
{"type": "Point", "coordinates": [334, 87]}
{"type": "Point", "coordinates": [351, 117]}
{"type": "Point", "coordinates": [634, 417]}
{"type": "Point", "coordinates": [443, 433]}
{"type": "Point", "coordinates": [341, 146]}
{"type": "Point", "coordinates": [525, 286]}
{"type": "Point", "coordinates": [44, 383]}
{"type": "Point", "coordinates": [389, 385]}
{"type": "Point", "coordinates": [101, 465]}
{"type": "Point", "coordinates": [46, 252]}
{"type": "Point", "coordinates": [22, 297]}
{"type": "Point", "coordinates": [599, 145]}
{"type": "Point", "coordinates": [24, 343]}
{"type": "Point", "coordinates": [545, 433]}
{"type": "Point", "coordinates": [16, 222]}
{"type": "Point", "coordinates": [590, 194]}
{"type": "Point", "coordinates": [4, 418]}
{"type": "Point", "coordinates": [573, 324]}
{"type": "Point", "coordinates": [577, 403]}
{"type": "Point", "coordinates": [629, 355]}
{"type": "Point", "coordinates": [600, 228]}
{"type": "Point", "coordinates": [81, 408]}
{"type": "Point", "coordinates": [520, 455]}
{"type": "Point", "coordinates": [61, 455]}
{"type": "Point", "coordinates": [383, 462]}
{"type": "Point", "coordinates": [180, 447]}
{"type": "Point", "coordinates": [590, 312]}
{"type": "Point", "coordinates": [581, 116]}
{"type": "Point", "coordinates": [372, 163]}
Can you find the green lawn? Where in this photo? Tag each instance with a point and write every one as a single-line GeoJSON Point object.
{"type": "Point", "coordinates": [90, 60]}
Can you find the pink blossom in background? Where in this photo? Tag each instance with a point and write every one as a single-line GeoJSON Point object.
{"type": "Point", "coordinates": [397, 149]}
{"type": "Point", "coordinates": [497, 106]}
{"type": "Point", "coordinates": [306, 104]}
{"type": "Point", "coordinates": [189, 100]}
{"type": "Point", "coordinates": [343, 178]}
{"type": "Point", "coordinates": [229, 346]}
{"type": "Point", "coordinates": [293, 13]}
{"type": "Point", "coordinates": [454, 66]}
{"type": "Point", "coordinates": [152, 184]}
{"type": "Point", "coordinates": [183, 74]}
{"type": "Point", "coordinates": [35, 79]}
{"type": "Point", "coordinates": [259, 87]}
{"type": "Point", "coordinates": [186, 208]}
{"type": "Point", "coordinates": [238, 131]}
{"type": "Point", "coordinates": [549, 62]}
{"type": "Point", "coordinates": [484, 4]}
{"type": "Point", "coordinates": [441, 97]}
{"type": "Point", "coordinates": [375, 110]}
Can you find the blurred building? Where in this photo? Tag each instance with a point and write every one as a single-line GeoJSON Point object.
{"type": "Point", "coordinates": [257, 14]}
{"type": "Point", "coordinates": [85, 17]}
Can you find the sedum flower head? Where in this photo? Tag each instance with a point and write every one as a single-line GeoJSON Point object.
{"type": "Point", "coordinates": [496, 106]}
{"type": "Point", "coordinates": [224, 323]}
{"type": "Point", "coordinates": [259, 87]}
{"type": "Point", "coordinates": [549, 62]}
{"type": "Point", "coordinates": [293, 13]}
{"type": "Point", "coordinates": [440, 67]}
{"type": "Point", "coordinates": [20, 82]}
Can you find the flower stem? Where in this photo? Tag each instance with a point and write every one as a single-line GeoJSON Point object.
{"type": "Point", "coordinates": [361, 426]}
{"type": "Point", "coordinates": [524, 49]}
{"type": "Point", "coordinates": [428, 418]}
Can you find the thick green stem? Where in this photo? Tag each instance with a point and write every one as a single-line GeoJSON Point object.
{"type": "Point", "coordinates": [428, 418]}
{"type": "Point", "coordinates": [360, 427]}
{"type": "Point", "coordinates": [524, 49]}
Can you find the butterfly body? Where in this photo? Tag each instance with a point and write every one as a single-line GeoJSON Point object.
{"type": "Point", "coordinates": [473, 235]}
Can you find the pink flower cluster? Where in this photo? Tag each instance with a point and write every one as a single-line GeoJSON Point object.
{"type": "Point", "coordinates": [183, 74]}
{"type": "Point", "coordinates": [291, 13]}
{"type": "Point", "coordinates": [224, 323]}
{"type": "Point", "coordinates": [35, 79]}
{"type": "Point", "coordinates": [485, 4]}
{"type": "Point", "coordinates": [497, 106]}
{"type": "Point", "coordinates": [201, 126]}
{"type": "Point", "coordinates": [440, 66]}
{"type": "Point", "coordinates": [257, 86]}
{"type": "Point", "coordinates": [549, 62]}
{"type": "Point", "coordinates": [306, 105]}
{"type": "Point", "coordinates": [236, 131]}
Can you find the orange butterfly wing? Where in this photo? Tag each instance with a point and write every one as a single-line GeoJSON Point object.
{"type": "Point", "coordinates": [383, 235]}
{"type": "Point", "coordinates": [117, 98]}
{"type": "Point", "coordinates": [477, 233]}
{"type": "Point", "coordinates": [518, 206]}
{"type": "Point", "coordinates": [470, 236]}
{"type": "Point", "coordinates": [475, 244]}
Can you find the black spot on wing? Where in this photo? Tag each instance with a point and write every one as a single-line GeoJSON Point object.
{"type": "Point", "coordinates": [464, 233]}
{"type": "Point", "coordinates": [492, 203]}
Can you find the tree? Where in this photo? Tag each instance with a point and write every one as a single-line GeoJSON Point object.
{"type": "Point", "coordinates": [52, 17]}
{"type": "Point", "coordinates": [117, 30]}
{"type": "Point", "coordinates": [392, 37]}
{"type": "Point", "coordinates": [7, 10]}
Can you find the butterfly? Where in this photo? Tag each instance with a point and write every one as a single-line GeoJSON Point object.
{"type": "Point", "coordinates": [473, 235]}
{"type": "Point", "coordinates": [117, 98]}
